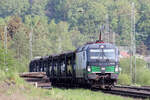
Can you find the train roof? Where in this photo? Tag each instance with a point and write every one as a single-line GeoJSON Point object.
{"type": "Point", "coordinates": [72, 53]}
{"type": "Point", "coordinates": [95, 45]}
{"type": "Point", "coordinates": [55, 56]}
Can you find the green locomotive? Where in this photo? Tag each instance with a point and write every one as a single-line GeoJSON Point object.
{"type": "Point", "coordinates": [94, 64]}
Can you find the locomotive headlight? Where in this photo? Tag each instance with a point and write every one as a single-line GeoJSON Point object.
{"type": "Point", "coordinates": [103, 68]}
{"type": "Point", "coordinates": [89, 69]}
{"type": "Point", "coordinates": [101, 46]}
{"type": "Point", "coordinates": [117, 69]}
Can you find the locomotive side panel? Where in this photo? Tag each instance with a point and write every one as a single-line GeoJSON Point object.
{"type": "Point", "coordinates": [78, 65]}
{"type": "Point", "coordinates": [81, 61]}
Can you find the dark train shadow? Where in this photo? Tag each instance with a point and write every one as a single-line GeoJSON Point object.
{"type": "Point", "coordinates": [86, 87]}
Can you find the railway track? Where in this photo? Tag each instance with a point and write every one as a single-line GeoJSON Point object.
{"type": "Point", "coordinates": [39, 79]}
{"type": "Point", "coordinates": [144, 88]}
{"type": "Point", "coordinates": [130, 91]}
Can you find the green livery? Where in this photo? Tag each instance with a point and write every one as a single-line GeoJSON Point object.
{"type": "Point", "coordinates": [96, 69]}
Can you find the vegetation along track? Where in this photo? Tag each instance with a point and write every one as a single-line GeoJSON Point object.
{"type": "Point", "coordinates": [130, 91]}
{"type": "Point", "coordinates": [39, 79]}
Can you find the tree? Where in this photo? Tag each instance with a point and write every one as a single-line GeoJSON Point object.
{"type": "Point", "coordinates": [13, 7]}
{"type": "Point", "coordinates": [142, 49]}
{"type": "Point", "coordinates": [57, 9]}
{"type": "Point", "coordinates": [13, 25]}
{"type": "Point", "coordinates": [37, 7]}
{"type": "Point", "coordinates": [143, 24]}
{"type": "Point", "coordinates": [60, 37]}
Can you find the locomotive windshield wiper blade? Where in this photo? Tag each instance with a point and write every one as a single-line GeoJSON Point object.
{"type": "Point", "coordinates": [107, 60]}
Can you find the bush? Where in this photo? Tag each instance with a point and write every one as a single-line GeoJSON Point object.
{"type": "Point", "coordinates": [143, 76]}
{"type": "Point", "coordinates": [124, 79]}
{"type": "Point", "coordinates": [142, 73]}
{"type": "Point", "coordinates": [125, 64]}
{"type": "Point", "coordinates": [9, 69]}
{"type": "Point", "coordinates": [2, 75]}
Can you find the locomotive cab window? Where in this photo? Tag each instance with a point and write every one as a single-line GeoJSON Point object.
{"type": "Point", "coordinates": [102, 53]}
{"type": "Point", "coordinates": [96, 54]}
{"type": "Point", "coordinates": [109, 53]}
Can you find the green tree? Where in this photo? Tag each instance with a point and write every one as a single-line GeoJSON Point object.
{"type": "Point", "coordinates": [57, 9]}
{"type": "Point", "coordinates": [37, 7]}
{"type": "Point", "coordinates": [61, 37]}
{"type": "Point", "coordinates": [13, 7]}
{"type": "Point", "coordinates": [143, 23]}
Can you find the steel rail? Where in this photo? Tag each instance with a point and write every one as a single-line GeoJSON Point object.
{"type": "Point", "coordinates": [130, 91]}
{"type": "Point", "coordinates": [135, 87]}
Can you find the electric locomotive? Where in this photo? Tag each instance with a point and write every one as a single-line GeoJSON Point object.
{"type": "Point", "coordinates": [98, 63]}
{"type": "Point", "coordinates": [94, 64]}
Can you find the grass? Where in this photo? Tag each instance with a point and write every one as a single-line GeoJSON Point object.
{"type": "Point", "coordinates": [31, 93]}
{"type": "Point", "coordinates": [82, 94]}
{"type": "Point", "coordinates": [14, 87]}
{"type": "Point", "coordinates": [124, 79]}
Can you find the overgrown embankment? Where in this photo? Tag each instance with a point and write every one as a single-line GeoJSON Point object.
{"type": "Point", "coordinates": [12, 87]}
{"type": "Point", "coordinates": [142, 72]}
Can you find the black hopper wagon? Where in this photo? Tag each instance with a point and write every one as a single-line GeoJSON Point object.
{"type": "Point", "coordinates": [94, 64]}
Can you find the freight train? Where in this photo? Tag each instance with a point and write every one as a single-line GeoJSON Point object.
{"type": "Point", "coordinates": [94, 64]}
